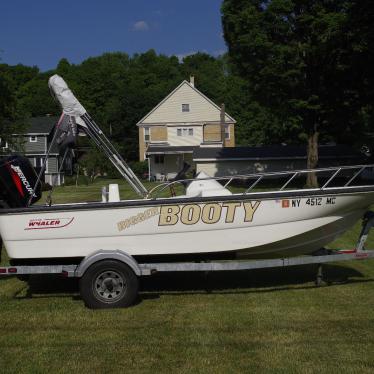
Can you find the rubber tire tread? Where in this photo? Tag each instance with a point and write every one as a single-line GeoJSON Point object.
{"type": "Point", "coordinates": [86, 285]}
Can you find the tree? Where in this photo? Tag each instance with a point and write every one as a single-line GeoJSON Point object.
{"type": "Point", "coordinates": [6, 108]}
{"type": "Point", "coordinates": [297, 57]}
{"type": "Point", "coordinates": [18, 75]}
{"type": "Point", "coordinates": [94, 164]}
{"type": "Point", "coordinates": [209, 73]}
{"type": "Point", "coordinates": [10, 116]}
{"type": "Point", "coordinates": [34, 98]}
{"type": "Point", "coordinates": [118, 90]}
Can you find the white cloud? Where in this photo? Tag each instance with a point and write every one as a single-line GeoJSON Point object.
{"type": "Point", "coordinates": [140, 26]}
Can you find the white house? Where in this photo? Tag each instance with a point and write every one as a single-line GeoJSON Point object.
{"type": "Point", "coordinates": [181, 123]}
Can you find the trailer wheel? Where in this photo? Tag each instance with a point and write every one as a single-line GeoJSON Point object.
{"type": "Point", "coordinates": [109, 284]}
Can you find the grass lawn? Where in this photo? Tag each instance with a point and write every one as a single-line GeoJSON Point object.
{"type": "Point", "coordinates": [259, 321]}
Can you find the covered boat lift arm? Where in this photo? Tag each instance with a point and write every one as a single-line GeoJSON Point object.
{"type": "Point", "coordinates": [72, 107]}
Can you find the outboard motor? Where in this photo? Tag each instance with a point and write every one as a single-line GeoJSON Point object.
{"type": "Point", "coordinates": [17, 180]}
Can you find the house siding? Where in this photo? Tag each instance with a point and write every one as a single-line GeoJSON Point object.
{"type": "Point", "coordinates": [194, 140]}
{"type": "Point", "coordinates": [52, 165]}
{"type": "Point", "coordinates": [171, 109]}
{"type": "Point", "coordinates": [37, 147]}
{"type": "Point", "coordinates": [141, 144]}
{"type": "Point", "coordinates": [202, 116]}
{"type": "Point", "coordinates": [36, 151]}
{"type": "Point", "coordinates": [231, 142]}
{"type": "Point", "coordinates": [222, 168]}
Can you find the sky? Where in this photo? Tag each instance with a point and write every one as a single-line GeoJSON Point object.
{"type": "Point", "coordinates": [41, 32]}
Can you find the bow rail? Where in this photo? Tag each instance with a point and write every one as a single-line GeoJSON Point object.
{"type": "Point", "coordinates": [332, 173]}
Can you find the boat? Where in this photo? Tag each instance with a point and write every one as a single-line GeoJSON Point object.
{"type": "Point", "coordinates": [208, 220]}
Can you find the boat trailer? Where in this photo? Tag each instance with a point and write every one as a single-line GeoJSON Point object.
{"type": "Point", "coordinates": [107, 263]}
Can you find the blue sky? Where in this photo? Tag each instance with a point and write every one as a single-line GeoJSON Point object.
{"type": "Point", "coordinates": [41, 32]}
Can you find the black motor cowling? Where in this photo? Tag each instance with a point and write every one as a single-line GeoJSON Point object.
{"type": "Point", "coordinates": [17, 181]}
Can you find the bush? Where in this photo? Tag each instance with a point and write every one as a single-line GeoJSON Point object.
{"type": "Point", "coordinates": [140, 168]}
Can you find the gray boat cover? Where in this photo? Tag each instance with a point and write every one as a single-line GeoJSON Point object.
{"type": "Point", "coordinates": [69, 103]}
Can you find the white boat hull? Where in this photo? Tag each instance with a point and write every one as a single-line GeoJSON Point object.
{"type": "Point", "coordinates": [246, 227]}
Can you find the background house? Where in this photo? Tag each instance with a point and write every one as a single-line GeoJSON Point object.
{"type": "Point", "coordinates": [244, 160]}
{"type": "Point", "coordinates": [184, 121]}
{"type": "Point", "coordinates": [34, 143]}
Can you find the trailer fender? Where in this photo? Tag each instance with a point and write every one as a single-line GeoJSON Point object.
{"type": "Point", "coordinates": [108, 255]}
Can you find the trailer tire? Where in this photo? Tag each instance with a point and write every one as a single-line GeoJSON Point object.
{"type": "Point", "coordinates": [109, 284]}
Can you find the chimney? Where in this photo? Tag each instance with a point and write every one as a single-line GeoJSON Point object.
{"type": "Point", "coordinates": [192, 80]}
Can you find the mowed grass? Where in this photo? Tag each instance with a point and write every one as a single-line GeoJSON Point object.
{"type": "Point", "coordinates": [272, 320]}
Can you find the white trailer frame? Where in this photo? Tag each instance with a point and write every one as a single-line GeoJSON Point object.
{"type": "Point", "coordinates": [144, 269]}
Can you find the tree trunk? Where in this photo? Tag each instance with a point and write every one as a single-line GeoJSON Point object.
{"type": "Point", "coordinates": [76, 179]}
{"type": "Point", "coordinates": [312, 159]}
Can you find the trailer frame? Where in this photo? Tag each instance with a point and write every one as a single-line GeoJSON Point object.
{"type": "Point", "coordinates": [146, 269]}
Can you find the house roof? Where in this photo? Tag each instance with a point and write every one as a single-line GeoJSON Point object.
{"type": "Point", "coordinates": [272, 152]}
{"type": "Point", "coordinates": [155, 149]}
{"type": "Point", "coordinates": [228, 118]}
{"type": "Point", "coordinates": [40, 125]}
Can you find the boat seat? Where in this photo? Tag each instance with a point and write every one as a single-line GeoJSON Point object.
{"type": "Point", "coordinates": [206, 187]}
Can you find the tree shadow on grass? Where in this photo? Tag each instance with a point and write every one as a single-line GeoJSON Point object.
{"type": "Point", "coordinates": [229, 282]}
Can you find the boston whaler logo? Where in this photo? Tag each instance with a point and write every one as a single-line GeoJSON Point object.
{"type": "Point", "coordinates": [48, 223]}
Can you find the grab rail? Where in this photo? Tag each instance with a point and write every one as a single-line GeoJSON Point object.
{"type": "Point", "coordinates": [258, 177]}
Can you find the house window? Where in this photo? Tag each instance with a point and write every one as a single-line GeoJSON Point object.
{"type": "Point", "coordinates": [146, 134]}
{"type": "Point", "coordinates": [159, 159]}
{"type": "Point", "coordinates": [227, 132]}
{"type": "Point", "coordinates": [33, 139]}
{"type": "Point", "coordinates": [185, 107]}
{"type": "Point", "coordinates": [38, 162]}
{"type": "Point", "coordinates": [185, 132]}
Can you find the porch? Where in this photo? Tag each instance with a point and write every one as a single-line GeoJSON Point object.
{"type": "Point", "coordinates": [165, 162]}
